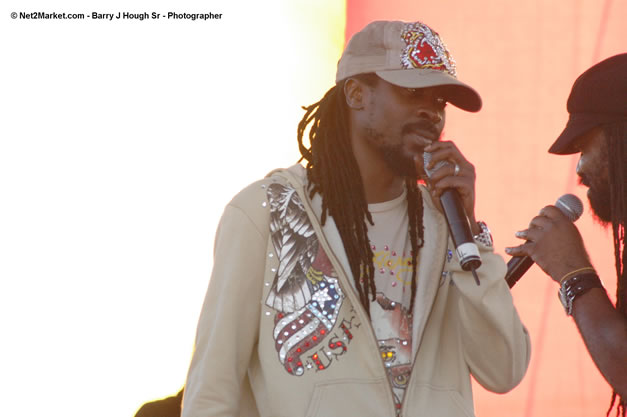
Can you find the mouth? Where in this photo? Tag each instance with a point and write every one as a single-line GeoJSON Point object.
{"type": "Point", "coordinates": [419, 139]}
{"type": "Point", "coordinates": [584, 181]}
{"type": "Point", "coordinates": [419, 135]}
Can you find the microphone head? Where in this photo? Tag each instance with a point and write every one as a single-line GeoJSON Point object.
{"type": "Point", "coordinates": [427, 159]}
{"type": "Point", "coordinates": [570, 205]}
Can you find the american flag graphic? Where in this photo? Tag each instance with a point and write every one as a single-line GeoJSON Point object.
{"type": "Point", "coordinates": [297, 333]}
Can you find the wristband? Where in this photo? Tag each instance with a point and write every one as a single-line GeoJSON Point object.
{"type": "Point", "coordinates": [575, 286]}
{"type": "Point", "coordinates": [576, 271]}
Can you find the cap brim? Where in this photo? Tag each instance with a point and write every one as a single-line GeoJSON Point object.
{"type": "Point", "coordinates": [578, 124]}
{"type": "Point", "coordinates": [457, 93]}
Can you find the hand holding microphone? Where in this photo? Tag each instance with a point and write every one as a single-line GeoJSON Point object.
{"type": "Point", "coordinates": [452, 180]}
{"type": "Point", "coordinates": [552, 241]}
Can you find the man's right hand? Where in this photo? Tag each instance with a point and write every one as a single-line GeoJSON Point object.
{"type": "Point", "coordinates": [553, 242]}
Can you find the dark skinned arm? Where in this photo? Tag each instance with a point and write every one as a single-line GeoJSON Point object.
{"type": "Point", "coordinates": [604, 331]}
{"type": "Point", "coordinates": [555, 244]}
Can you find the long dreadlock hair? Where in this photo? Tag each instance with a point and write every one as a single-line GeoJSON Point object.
{"type": "Point", "coordinates": [616, 139]}
{"type": "Point", "coordinates": [333, 172]}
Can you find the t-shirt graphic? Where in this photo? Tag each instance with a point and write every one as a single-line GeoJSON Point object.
{"type": "Point", "coordinates": [389, 313]}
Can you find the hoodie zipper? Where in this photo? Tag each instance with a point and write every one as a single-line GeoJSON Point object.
{"type": "Point", "coordinates": [411, 374]}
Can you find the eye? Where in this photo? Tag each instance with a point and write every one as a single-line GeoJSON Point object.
{"type": "Point", "coordinates": [420, 92]}
{"type": "Point", "coordinates": [440, 102]}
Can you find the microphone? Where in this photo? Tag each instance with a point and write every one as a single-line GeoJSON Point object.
{"type": "Point", "coordinates": [571, 207]}
{"type": "Point", "coordinates": [457, 220]}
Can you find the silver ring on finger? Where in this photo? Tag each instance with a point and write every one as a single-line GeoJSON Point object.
{"type": "Point", "coordinates": [456, 172]}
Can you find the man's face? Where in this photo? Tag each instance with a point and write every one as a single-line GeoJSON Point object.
{"type": "Point", "coordinates": [398, 123]}
{"type": "Point", "coordinates": [593, 172]}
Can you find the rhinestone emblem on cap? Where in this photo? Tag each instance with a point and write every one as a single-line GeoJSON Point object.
{"type": "Point", "coordinates": [424, 49]}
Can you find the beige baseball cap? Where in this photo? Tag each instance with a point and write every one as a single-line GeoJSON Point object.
{"type": "Point", "coordinates": [410, 55]}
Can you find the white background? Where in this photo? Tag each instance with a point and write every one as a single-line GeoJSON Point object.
{"type": "Point", "coordinates": [120, 144]}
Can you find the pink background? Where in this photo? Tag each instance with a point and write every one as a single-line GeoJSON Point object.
{"type": "Point", "coordinates": [523, 57]}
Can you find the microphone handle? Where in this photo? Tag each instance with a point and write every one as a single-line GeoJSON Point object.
{"type": "Point", "coordinates": [456, 217]}
{"type": "Point", "coordinates": [516, 268]}
{"type": "Point", "coordinates": [460, 229]}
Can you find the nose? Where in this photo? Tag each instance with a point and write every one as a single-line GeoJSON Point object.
{"type": "Point", "coordinates": [430, 113]}
{"type": "Point", "coordinates": [581, 165]}
{"type": "Point", "coordinates": [428, 104]}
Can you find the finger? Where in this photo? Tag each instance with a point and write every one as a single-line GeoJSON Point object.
{"type": "Point", "coordinates": [533, 234]}
{"type": "Point", "coordinates": [439, 148]}
{"type": "Point", "coordinates": [521, 250]}
{"type": "Point", "coordinates": [463, 184]}
{"type": "Point", "coordinates": [553, 213]}
{"type": "Point", "coordinates": [442, 151]}
{"type": "Point", "coordinates": [449, 155]}
{"type": "Point", "coordinates": [522, 234]}
{"type": "Point", "coordinates": [440, 145]}
{"type": "Point", "coordinates": [448, 171]}
{"type": "Point", "coordinates": [528, 234]}
{"type": "Point", "coordinates": [541, 222]}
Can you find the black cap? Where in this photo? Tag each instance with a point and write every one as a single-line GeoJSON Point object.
{"type": "Point", "coordinates": [598, 97]}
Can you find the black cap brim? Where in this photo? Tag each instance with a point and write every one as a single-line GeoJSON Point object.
{"type": "Point", "coordinates": [578, 124]}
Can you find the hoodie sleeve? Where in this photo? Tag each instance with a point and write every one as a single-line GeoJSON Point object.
{"type": "Point", "coordinates": [496, 344]}
{"type": "Point", "coordinates": [228, 325]}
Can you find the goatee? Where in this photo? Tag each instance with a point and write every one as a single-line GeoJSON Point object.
{"type": "Point", "coordinates": [600, 201]}
{"type": "Point", "coordinates": [397, 161]}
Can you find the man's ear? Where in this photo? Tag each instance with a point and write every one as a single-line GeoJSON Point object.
{"type": "Point", "coordinates": [354, 92]}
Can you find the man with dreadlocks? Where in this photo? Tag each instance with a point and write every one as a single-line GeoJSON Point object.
{"type": "Point", "coordinates": [597, 129]}
{"type": "Point", "coordinates": [336, 290]}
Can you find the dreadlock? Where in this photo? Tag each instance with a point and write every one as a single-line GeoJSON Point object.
{"type": "Point", "coordinates": [333, 172]}
{"type": "Point", "coordinates": [616, 136]}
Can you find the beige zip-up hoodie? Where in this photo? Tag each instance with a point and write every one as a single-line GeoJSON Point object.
{"type": "Point", "coordinates": [282, 332]}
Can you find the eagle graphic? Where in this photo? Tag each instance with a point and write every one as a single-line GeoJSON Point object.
{"type": "Point", "coordinates": [296, 246]}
